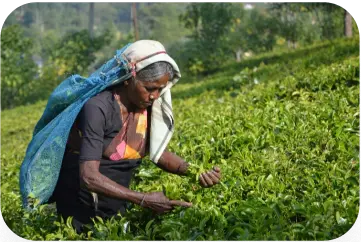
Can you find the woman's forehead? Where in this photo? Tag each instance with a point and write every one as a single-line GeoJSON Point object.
{"type": "Point", "coordinates": [161, 82]}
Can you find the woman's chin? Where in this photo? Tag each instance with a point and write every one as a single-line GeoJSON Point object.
{"type": "Point", "coordinates": [144, 105]}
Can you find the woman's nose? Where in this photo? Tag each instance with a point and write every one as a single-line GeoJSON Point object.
{"type": "Point", "coordinates": [154, 95]}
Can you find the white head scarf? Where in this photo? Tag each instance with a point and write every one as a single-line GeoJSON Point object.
{"type": "Point", "coordinates": [141, 54]}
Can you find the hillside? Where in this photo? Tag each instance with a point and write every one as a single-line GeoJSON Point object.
{"type": "Point", "coordinates": [284, 129]}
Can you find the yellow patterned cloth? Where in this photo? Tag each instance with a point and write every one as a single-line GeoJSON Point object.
{"type": "Point", "coordinates": [130, 142]}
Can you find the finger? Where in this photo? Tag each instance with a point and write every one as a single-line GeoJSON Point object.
{"type": "Point", "coordinates": [217, 174]}
{"type": "Point", "coordinates": [167, 208]}
{"type": "Point", "coordinates": [203, 182]}
{"type": "Point", "coordinates": [162, 209]}
{"type": "Point", "coordinates": [213, 177]}
{"type": "Point", "coordinates": [207, 179]}
{"type": "Point", "coordinates": [180, 203]}
{"type": "Point", "coordinates": [160, 212]}
{"type": "Point", "coordinates": [216, 169]}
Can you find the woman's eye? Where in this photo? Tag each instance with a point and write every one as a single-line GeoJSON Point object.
{"type": "Point", "coordinates": [153, 89]}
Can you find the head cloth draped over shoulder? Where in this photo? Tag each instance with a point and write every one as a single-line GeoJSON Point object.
{"type": "Point", "coordinates": [41, 166]}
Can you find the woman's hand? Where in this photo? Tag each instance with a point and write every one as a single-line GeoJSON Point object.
{"type": "Point", "coordinates": [210, 178]}
{"type": "Point", "coordinates": [159, 203]}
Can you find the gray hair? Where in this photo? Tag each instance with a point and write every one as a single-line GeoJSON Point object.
{"type": "Point", "coordinates": [155, 71]}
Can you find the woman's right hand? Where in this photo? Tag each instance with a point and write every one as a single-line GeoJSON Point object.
{"type": "Point", "coordinates": [159, 203]}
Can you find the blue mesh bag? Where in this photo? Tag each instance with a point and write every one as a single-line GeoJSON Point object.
{"type": "Point", "coordinates": [40, 168]}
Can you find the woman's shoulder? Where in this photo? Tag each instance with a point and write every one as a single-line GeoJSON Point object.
{"type": "Point", "coordinates": [103, 98]}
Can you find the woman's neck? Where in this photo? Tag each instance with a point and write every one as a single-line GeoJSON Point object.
{"type": "Point", "coordinates": [122, 97]}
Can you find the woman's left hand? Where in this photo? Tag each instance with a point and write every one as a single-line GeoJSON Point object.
{"type": "Point", "coordinates": [210, 178]}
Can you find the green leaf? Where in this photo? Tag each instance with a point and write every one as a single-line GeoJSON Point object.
{"type": "Point", "coordinates": [147, 227]}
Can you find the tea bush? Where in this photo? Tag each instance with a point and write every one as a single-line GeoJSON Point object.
{"type": "Point", "coordinates": [283, 127]}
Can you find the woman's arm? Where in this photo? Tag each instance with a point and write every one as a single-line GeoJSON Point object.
{"type": "Point", "coordinates": [172, 163]}
{"type": "Point", "coordinates": [93, 180]}
{"type": "Point", "coordinates": [92, 125]}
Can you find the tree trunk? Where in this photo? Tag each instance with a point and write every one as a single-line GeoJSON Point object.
{"type": "Point", "coordinates": [91, 20]}
{"type": "Point", "coordinates": [289, 44]}
{"type": "Point", "coordinates": [239, 55]}
{"type": "Point", "coordinates": [348, 25]}
{"type": "Point", "coordinates": [135, 23]}
{"type": "Point", "coordinates": [21, 13]}
{"type": "Point", "coordinates": [39, 19]}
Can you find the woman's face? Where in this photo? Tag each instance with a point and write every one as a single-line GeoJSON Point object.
{"type": "Point", "coordinates": [143, 93]}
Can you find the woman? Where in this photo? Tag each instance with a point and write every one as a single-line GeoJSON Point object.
{"type": "Point", "coordinates": [110, 136]}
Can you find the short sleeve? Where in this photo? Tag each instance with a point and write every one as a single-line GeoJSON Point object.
{"type": "Point", "coordinates": [92, 125]}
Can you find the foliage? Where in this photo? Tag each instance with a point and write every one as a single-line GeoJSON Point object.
{"type": "Point", "coordinates": [254, 31]}
{"type": "Point", "coordinates": [283, 127]}
{"type": "Point", "coordinates": [76, 51]}
{"type": "Point", "coordinates": [21, 83]}
{"type": "Point", "coordinates": [210, 23]}
{"type": "Point", "coordinates": [159, 21]}
{"type": "Point", "coordinates": [308, 22]}
{"type": "Point", "coordinates": [331, 18]}
{"type": "Point", "coordinates": [118, 40]}
{"type": "Point", "coordinates": [71, 55]}
{"type": "Point", "coordinates": [200, 36]}
{"type": "Point", "coordinates": [18, 69]}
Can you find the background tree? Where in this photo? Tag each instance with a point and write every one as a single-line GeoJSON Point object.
{"type": "Point", "coordinates": [210, 23]}
{"type": "Point", "coordinates": [159, 21]}
{"type": "Point", "coordinates": [91, 20]}
{"type": "Point", "coordinates": [348, 24]}
{"type": "Point", "coordinates": [254, 30]}
{"type": "Point", "coordinates": [18, 69]}
{"type": "Point", "coordinates": [135, 21]}
{"type": "Point", "coordinates": [57, 37]}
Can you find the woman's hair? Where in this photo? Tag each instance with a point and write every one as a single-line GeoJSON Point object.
{"type": "Point", "coordinates": [155, 71]}
{"type": "Point", "coordinates": [151, 73]}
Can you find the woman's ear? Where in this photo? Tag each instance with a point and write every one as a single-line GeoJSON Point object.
{"type": "Point", "coordinates": [129, 81]}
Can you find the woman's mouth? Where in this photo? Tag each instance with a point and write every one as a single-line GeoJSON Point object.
{"type": "Point", "coordinates": [148, 103]}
